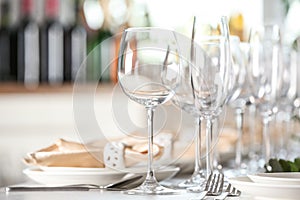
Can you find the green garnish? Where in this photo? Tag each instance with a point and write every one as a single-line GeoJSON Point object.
{"type": "Point", "coordinates": [281, 165]}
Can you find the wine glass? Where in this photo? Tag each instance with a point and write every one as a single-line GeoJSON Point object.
{"type": "Point", "coordinates": [265, 70]}
{"type": "Point", "coordinates": [186, 101]}
{"type": "Point", "coordinates": [211, 73]}
{"type": "Point", "coordinates": [238, 98]}
{"type": "Point", "coordinates": [287, 95]}
{"type": "Point", "coordinates": [148, 73]}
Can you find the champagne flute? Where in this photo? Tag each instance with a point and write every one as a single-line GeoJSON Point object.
{"type": "Point", "coordinates": [238, 98]}
{"type": "Point", "coordinates": [211, 77]}
{"type": "Point", "coordinates": [148, 68]}
{"type": "Point", "coordinates": [287, 95]}
{"type": "Point", "coordinates": [265, 70]}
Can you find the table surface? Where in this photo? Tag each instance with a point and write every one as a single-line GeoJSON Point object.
{"type": "Point", "coordinates": [98, 194]}
{"type": "Point", "coordinates": [94, 195]}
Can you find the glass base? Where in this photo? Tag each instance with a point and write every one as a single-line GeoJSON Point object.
{"type": "Point", "coordinates": [195, 180]}
{"type": "Point", "coordinates": [151, 187]}
{"type": "Point", "coordinates": [197, 188]}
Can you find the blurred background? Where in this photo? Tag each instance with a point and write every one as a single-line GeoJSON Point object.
{"type": "Point", "coordinates": [44, 42]}
{"type": "Point", "coordinates": [76, 27]}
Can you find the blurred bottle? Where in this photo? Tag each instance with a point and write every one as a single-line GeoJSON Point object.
{"type": "Point", "coordinates": [14, 26]}
{"type": "Point", "coordinates": [75, 41]}
{"type": "Point", "coordinates": [28, 46]}
{"type": "Point", "coordinates": [236, 25]}
{"type": "Point", "coordinates": [52, 46]}
{"type": "Point", "coordinates": [98, 31]}
{"type": "Point", "coordinates": [4, 41]}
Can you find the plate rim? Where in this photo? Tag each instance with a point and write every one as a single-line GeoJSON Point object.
{"type": "Point", "coordinates": [244, 181]}
{"type": "Point", "coordinates": [98, 171]}
{"type": "Point", "coordinates": [262, 177]}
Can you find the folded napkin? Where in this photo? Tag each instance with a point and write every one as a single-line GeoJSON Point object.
{"type": "Point", "coordinates": [117, 154]}
{"type": "Point", "coordinates": [63, 153]}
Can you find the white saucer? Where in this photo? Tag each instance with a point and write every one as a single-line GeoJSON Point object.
{"type": "Point", "coordinates": [98, 176]}
{"type": "Point", "coordinates": [265, 190]}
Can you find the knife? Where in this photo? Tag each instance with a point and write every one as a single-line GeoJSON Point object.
{"type": "Point", "coordinates": [117, 186]}
{"type": "Point", "coordinates": [46, 188]}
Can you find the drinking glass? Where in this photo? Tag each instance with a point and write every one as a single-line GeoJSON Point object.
{"type": "Point", "coordinates": [265, 70]}
{"type": "Point", "coordinates": [185, 101]}
{"type": "Point", "coordinates": [148, 72]}
{"type": "Point", "coordinates": [287, 95]}
{"type": "Point", "coordinates": [211, 73]}
{"type": "Point", "coordinates": [238, 97]}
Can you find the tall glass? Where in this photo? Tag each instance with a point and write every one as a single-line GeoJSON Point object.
{"type": "Point", "coordinates": [148, 72]}
{"type": "Point", "coordinates": [211, 76]}
{"type": "Point", "coordinates": [265, 70]}
{"type": "Point", "coordinates": [238, 98]}
{"type": "Point", "coordinates": [186, 101]}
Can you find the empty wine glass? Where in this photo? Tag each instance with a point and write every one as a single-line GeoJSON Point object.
{"type": "Point", "coordinates": [287, 95]}
{"type": "Point", "coordinates": [265, 70]}
{"type": "Point", "coordinates": [186, 101]}
{"type": "Point", "coordinates": [211, 77]}
{"type": "Point", "coordinates": [148, 68]}
{"type": "Point", "coordinates": [238, 98]}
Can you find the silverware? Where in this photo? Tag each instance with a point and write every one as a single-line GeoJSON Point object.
{"type": "Point", "coordinates": [213, 187]}
{"type": "Point", "coordinates": [230, 191]}
{"type": "Point", "coordinates": [124, 184]}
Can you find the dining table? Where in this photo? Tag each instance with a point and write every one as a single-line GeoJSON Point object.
{"type": "Point", "coordinates": [96, 194]}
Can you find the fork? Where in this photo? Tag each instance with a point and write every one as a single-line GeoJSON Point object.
{"type": "Point", "coordinates": [230, 191]}
{"type": "Point", "coordinates": [213, 187]}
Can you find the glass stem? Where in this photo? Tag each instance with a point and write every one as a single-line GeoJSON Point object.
{"type": "Point", "coordinates": [266, 138]}
{"type": "Point", "coordinates": [150, 172]}
{"type": "Point", "coordinates": [252, 129]}
{"type": "Point", "coordinates": [239, 112]}
{"type": "Point", "coordinates": [198, 147]}
{"type": "Point", "coordinates": [209, 166]}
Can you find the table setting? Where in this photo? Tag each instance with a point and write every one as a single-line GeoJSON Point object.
{"type": "Point", "coordinates": [203, 75]}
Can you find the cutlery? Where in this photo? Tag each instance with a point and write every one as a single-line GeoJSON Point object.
{"type": "Point", "coordinates": [213, 186]}
{"type": "Point", "coordinates": [229, 192]}
{"type": "Point", "coordinates": [123, 184]}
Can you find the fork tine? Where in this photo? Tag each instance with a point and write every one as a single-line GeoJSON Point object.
{"type": "Point", "coordinates": [221, 184]}
{"type": "Point", "coordinates": [228, 188]}
{"type": "Point", "coordinates": [215, 183]}
{"type": "Point", "coordinates": [233, 190]}
{"type": "Point", "coordinates": [208, 182]}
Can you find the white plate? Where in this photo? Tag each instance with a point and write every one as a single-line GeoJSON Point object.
{"type": "Point", "coordinates": [265, 191]}
{"type": "Point", "coordinates": [97, 176]}
{"type": "Point", "coordinates": [73, 169]}
{"type": "Point", "coordinates": [284, 178]}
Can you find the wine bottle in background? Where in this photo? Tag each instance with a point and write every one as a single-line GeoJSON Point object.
{"type": "Point", "coordinates": [15, 16]}
{"type": "Point", "coordinates": [4, 41]}
{"type": "Point", "coordinates": [75, 44]}
{"type": "Point", "coordinates": [28, 46]}
{"type": "Point", "coordinates": [95, 70]}
{"type": "Point", "coordinates": [52, 45]}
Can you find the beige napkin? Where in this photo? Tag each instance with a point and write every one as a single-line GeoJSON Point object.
{"type": "Point", "coordinates": [120, 153]}
{"type": "Point", "coordinates": [63, 154]}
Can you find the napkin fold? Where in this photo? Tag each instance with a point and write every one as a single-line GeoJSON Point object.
{"type": "Point", "coordinates": [116, 154]}
{"type": "Point", "coordinates": [63, 153]}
